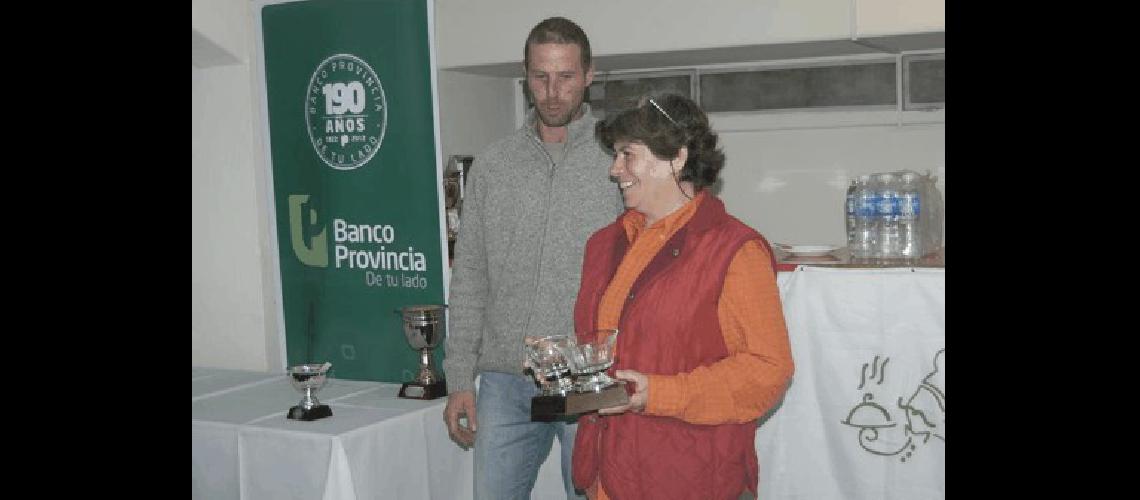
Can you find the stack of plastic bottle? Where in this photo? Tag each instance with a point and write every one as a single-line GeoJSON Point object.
{"type": "Point", "coordinates": [893, 216]}
{"type": "Point", "coordinates": [862, 237]}
{"type": "Point", "coordinates": [908, 210]}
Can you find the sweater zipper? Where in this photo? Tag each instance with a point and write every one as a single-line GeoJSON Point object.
{"type": "Point", "coordinates": [545, 224]}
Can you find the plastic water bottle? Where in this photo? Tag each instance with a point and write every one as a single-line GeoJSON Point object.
{"type": "Point", "coordinates": [865, 207]}
{"type": "Point", "coordinates": [910, 210]}
{"type": "Point", "coordinates": [886, 220]}
{"type": "Point", "coordinates": [849, 211]}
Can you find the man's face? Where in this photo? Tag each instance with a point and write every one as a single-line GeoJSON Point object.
{"type": "Point", "coordinates": [557, 81]}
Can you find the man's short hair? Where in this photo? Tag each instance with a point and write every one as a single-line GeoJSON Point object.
{"type": "Point", "coordinates": [558, 30]}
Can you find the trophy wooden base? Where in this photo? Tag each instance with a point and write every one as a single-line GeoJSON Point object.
{"type": "Point", "coordinates": [314, 413]}
{"type": "Point", "coordinates": [416, 390]}
{"type": "Point", "coordinates": [550, 408]}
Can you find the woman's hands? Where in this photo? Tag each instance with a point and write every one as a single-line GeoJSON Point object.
{"type": "Point", "coordinates": [639, 397]}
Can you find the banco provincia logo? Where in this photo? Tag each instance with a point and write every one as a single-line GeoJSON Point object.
{"type": "Point", "coordinates": [346, 112]}
{"type": "Point", "coordinates": [307, 236]}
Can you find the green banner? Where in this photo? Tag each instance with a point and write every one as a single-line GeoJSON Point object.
{"type": "Point", "coordinates": [355, 179]}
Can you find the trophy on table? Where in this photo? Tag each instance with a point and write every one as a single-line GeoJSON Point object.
{"type": "Point", "coordinates": [424, 327]}
{"type": "Point", "coordinates": [308, 379]}
{"type": "Point", "coordinates": [572, 375]}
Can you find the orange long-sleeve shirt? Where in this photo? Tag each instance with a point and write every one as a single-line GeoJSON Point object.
{"type": "Point", "coordinates": [740, 387]}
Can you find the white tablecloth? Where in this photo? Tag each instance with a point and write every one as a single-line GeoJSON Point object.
{"type": "Point", "coordinates": [864, 418]}
{"type": "Point", "coordinates": [375, 446]}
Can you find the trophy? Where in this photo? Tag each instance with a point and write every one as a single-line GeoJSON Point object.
{"type": "Point", "coordinates": [546, 357]}
{"type": "Point", "coordinates": [573, 376]}
{"type": "Point", "coordinates": [308, 379]}
{"type": "Point", "coordinates": [424, 327]}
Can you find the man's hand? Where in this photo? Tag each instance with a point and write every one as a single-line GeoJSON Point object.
{"type": "Point", "coordinates": [639, 397]}
{"type": "Point", "coordinates": [460, 404]}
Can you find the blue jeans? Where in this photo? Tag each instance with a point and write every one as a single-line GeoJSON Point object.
{"type": "Point", "coordinates": [509, 448]}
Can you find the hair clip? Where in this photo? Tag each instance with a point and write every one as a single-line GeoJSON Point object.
{"type": "Point", "coordinates": [654, 103]}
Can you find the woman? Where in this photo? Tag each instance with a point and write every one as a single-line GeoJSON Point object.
{"type": "Point", "coordinates": [702, 336]}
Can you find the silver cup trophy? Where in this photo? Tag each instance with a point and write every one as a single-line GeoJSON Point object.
{"type": "Point", "coordinates": [308, 379]}
{"type": "Point", "coordinates": [572, 375]}
{"type": "Point", "coordinates": [424, 327]}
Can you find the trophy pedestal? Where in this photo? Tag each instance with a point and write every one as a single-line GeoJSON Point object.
{"type": "Point", "coordinates": [300, 413]}
{"type": "Point", "coordinates": [419, 390]}
{"type": "Point", "coordinates": [549, 408]}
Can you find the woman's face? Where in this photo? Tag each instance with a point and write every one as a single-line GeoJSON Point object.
{"type": "Point", "coordinates": [646, 182]}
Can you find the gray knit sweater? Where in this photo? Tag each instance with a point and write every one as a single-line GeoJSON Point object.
{"type": "Point", "coordinates": [518, 256]}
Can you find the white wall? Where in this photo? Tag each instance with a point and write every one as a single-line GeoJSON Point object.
{"type": "Point", "coordinates": [474, 111]}
{"type": "Point", "coordinates": [228, 321]}
{"type": "Point", "coordinates": [790, 183]}
{"type": "Point", "coordinates": [646, 26]}
{"type": "Point", "coordinates": [890, 17]}
{"type": "Point", "coordinates": [223, 22]}
{"type": "Point", "coordinates": [233, 299]}
{"type": "Point", "coordinates": [630, 27]}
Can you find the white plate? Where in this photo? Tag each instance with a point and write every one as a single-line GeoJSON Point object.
{"type": "Point", "coordinates": [808, 250]}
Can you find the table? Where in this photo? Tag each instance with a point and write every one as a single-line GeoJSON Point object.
{"type": "Point", "coordinates": [863, 419]}
{"type": "Point", "coordinates": [841, 258]}
{"type": "Point", "coordinates": [865, 414]}
{"type": "Point", "coordinates": [375, 446]}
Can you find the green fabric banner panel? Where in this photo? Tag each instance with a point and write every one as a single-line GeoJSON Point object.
{"type": "Point", "coordinates": [355, 183]}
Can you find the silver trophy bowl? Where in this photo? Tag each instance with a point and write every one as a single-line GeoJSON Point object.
{"type": "Point", "coordinates": [423, 325]}
{"type": "Point", "coordinates": [308, 379]}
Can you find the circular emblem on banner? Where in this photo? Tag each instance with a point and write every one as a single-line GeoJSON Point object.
{"type": "Point", "coordinates": [345, 112]}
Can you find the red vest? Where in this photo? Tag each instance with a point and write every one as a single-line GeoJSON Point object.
{"type": "Point", "coordinates": [669, 325]}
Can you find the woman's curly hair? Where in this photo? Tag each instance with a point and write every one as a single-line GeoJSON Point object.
{"type": "Point", "coordinates": [664, 124]}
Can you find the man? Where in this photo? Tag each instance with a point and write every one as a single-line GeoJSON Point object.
{"type": "Point", "coordinates": [532, 200]}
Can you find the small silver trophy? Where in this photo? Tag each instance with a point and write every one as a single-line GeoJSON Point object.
{"type": "Point", "coordinates": [308, 379]}
{"type": "Point", "coordinates": [424, 327]}
{"type": "Point", "coordinates": [573, 376]}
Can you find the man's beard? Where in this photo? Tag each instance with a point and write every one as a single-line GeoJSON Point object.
{"type": "Point", "coordinates": [561, 119]}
